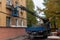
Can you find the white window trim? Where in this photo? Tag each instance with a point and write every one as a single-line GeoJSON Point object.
{"type": "Point", "coordinates": [17, 26]}
{"type": "Point", "coordinates": [16, 22]}
{"type": "Point", "coordinates": [22, 23]}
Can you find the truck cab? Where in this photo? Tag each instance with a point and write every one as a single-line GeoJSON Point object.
{"type": "Point", "coordinates": [37, 32]}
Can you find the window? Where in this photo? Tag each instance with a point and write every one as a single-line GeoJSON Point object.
{"type": "Point", "coordinates": [8, 21]}
{"type": "Point", "coordinates": [16, 22]}
{"type": "Point", "coordinates": [21, 13]}
{"type": "Point", "coordinates": [21, 22]}
{"type": "Point", "coordinates": [16, 3]}
{"type": "Point", "coordinates": [8, 2]}
{"type": "Point", "coordinates": [0, 1]}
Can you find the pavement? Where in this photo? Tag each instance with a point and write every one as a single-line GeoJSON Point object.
{"type": "Point", "coordinates": [17, 38]}
{"type": "Point", "coordinates": [25, 38]}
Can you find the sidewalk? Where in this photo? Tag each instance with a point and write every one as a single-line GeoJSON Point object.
{"type": "Point", "coordinates": [18, 38]}
{"type": "Point", "coordinates": [52, 37]}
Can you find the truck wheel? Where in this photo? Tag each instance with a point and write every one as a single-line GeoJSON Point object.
{"type": "Point", "coordinates": [58, 34]}
{"type": "Point", "coordinates": [45, 37]}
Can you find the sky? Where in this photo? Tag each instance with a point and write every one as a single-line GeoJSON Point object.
{"type": "Point", "coordinates": [39, 3]}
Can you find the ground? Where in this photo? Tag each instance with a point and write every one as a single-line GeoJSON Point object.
{"type": "Point", "coordinates": [24, 37]}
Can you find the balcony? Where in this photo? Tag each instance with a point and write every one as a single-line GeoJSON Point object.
{"type": "Point", "coordinates": [8, 5]}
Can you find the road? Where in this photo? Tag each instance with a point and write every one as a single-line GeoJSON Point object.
{"type": "Point", "coordinates": [25, 38]}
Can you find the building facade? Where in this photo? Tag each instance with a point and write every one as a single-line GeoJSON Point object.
{"type": "Point", "coordinates": [8, 17]}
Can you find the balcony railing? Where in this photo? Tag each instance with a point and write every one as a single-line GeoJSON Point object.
{"type": "Point", "coordinates": [8, 5]}
{"type": "Point", "coordinates": [14, 15]}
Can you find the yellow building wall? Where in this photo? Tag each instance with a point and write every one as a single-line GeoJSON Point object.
{"type": "Point", "coordinates": [2, 15]}
{"type": "Point", "coordinates": [5, 11]}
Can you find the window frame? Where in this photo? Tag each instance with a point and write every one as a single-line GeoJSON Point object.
{"type": "Point", "coordinates": [8, 21]}
{"type": "Point", "coordinates": [21, 22]}
{"type": "Point", "coordinates": [16, 22]}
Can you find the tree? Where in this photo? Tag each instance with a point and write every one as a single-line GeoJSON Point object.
{"type": "Point", "coordinates": [53, 10]}
{"type": "Point", "coordinates": [30, 18]}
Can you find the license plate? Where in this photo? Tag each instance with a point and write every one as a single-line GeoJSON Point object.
{"type": "Point", "coordinates": [34, 33]}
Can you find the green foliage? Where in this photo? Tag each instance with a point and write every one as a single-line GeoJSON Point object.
{"type": "Point", "coordinates": [53, 9]}
{"type": "Point", "coordinates": [30, 18]}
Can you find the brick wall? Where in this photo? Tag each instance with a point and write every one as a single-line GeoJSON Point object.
{"type": "Point", "coordinates": [11, 32]}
